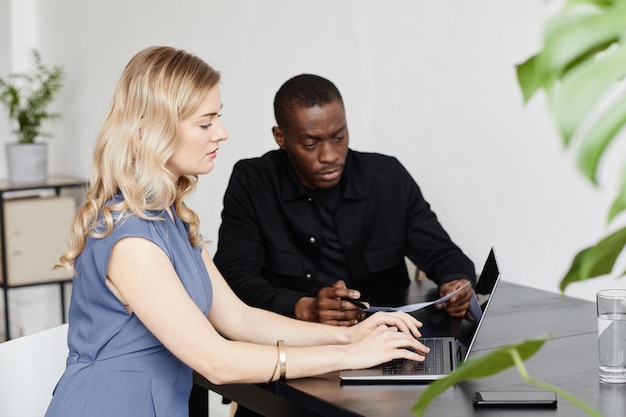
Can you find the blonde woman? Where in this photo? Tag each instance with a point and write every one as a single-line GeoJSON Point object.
{"type": "Point", "coordinates": [148, 304]}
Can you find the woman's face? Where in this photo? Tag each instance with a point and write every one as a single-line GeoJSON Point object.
{"type": "Point", "coordinates": [201, 134]}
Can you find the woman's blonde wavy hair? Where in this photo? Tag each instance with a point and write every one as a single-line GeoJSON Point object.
{"type": "Point", "coordinates": [159, 88]}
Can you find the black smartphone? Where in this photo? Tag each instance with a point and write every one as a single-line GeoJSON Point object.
{"type": "Point", "coordinates": [515, 399]}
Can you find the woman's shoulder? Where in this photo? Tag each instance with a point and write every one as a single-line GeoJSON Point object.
{"type": "Point", "coordinates": [124, 222]}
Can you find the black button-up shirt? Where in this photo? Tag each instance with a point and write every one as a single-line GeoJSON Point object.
{"type": "Point", "coordinates": [271, 231]}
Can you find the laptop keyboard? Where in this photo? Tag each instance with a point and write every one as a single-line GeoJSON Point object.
{"type": "Point", "coordinates": [433, 364]}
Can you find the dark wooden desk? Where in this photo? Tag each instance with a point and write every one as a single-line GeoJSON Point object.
{"type": "Point", "coordinates": [569, 360]}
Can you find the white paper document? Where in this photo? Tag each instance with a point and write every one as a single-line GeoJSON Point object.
{"type": "Point", "coordinates": [417, 306]}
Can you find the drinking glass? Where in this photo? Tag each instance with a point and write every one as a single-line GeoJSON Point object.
{"type": "Point", "coordinates": [611, 305]}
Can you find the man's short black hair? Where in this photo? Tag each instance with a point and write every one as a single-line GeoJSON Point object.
{"type": "Point", "coordinates": [304, 90]}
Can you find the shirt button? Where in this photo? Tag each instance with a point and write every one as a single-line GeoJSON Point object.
{"type": "Point", "coordinates": [348, 243]}
{"type": "Point", "coordinates": [312, 240]}
{"type": "Point", "coordinates": [308, 276]}
{"type": "Point", "coordinates": [309, 199]}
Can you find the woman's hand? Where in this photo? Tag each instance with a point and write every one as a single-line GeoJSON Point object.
{"type": "Point", "coordinates": [404, 322]}
{"type": "Point", "coordinates": [384, 337]}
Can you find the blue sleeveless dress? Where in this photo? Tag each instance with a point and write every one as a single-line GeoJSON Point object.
{"type": "Point", "coordinates": [115, 366]}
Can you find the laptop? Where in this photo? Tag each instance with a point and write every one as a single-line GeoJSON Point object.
{"type": "Point", "coordinates": [446, 352]}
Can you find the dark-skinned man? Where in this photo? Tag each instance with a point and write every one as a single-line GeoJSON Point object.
{"type": "Point", "coordinates": [314, 223]}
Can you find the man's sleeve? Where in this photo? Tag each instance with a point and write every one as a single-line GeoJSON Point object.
{"type": "Point", "coordinates": [429, 245]}
{"type": "Point", "coordinates": [239, 247]}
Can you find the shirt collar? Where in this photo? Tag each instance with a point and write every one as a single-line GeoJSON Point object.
{"type": "Point", "coordinates": [352, 182]}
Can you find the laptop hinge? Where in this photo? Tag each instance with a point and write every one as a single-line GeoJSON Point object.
{"type": "Point", "coordinates": [455, 354]}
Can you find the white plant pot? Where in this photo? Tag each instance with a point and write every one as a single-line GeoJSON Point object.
{"type": "Point", "coordinates": [27, 162]}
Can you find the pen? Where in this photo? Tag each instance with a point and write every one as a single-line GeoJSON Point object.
{"type": "Point", "coordinates": [355, 302]}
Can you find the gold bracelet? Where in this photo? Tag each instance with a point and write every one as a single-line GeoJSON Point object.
{"type": "Point", "coordinates": [275, 368]}
{"type": "Point", "coordinates": [282, 359]}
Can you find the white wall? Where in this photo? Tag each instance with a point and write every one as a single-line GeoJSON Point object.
{"type": "Point", "coordinates": [432, 83]}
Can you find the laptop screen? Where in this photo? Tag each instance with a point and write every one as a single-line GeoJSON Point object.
{"type": "Point", "coordinates": [485, 287]}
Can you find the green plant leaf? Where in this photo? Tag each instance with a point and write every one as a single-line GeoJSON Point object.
{"type": "Point", "coordinates": [619, 204]}
{"type": "Point", "coordinates": [598, 138]}
{"type": "Point", "coordinates": [487, 365]}
{"type": "Point", "coordinates": [596, 260]}
{"type": "Point", "coordinates": [581, 88]}
{"type": "Point", "coordinates": [530, 77]}
{"type": "Point", "coordinates": [571, 38]}
{"type": "Point", "coordinates": [602, 4]}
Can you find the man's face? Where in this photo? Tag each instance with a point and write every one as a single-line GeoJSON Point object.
{"type": "Point", "coordinates": [316, 142]}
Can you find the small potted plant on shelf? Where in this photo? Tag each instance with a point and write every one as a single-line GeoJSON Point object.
{"type": "Point", "coordinates": [27, 97]}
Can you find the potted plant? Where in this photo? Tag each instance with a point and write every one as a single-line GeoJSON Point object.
{"type": "Point", "coordinates": [27, 96]}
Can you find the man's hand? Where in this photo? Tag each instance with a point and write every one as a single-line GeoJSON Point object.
{"type": "Point", "coordinates": [458, 305]}
{"type": "Point", "coordinates": [329, 308]}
